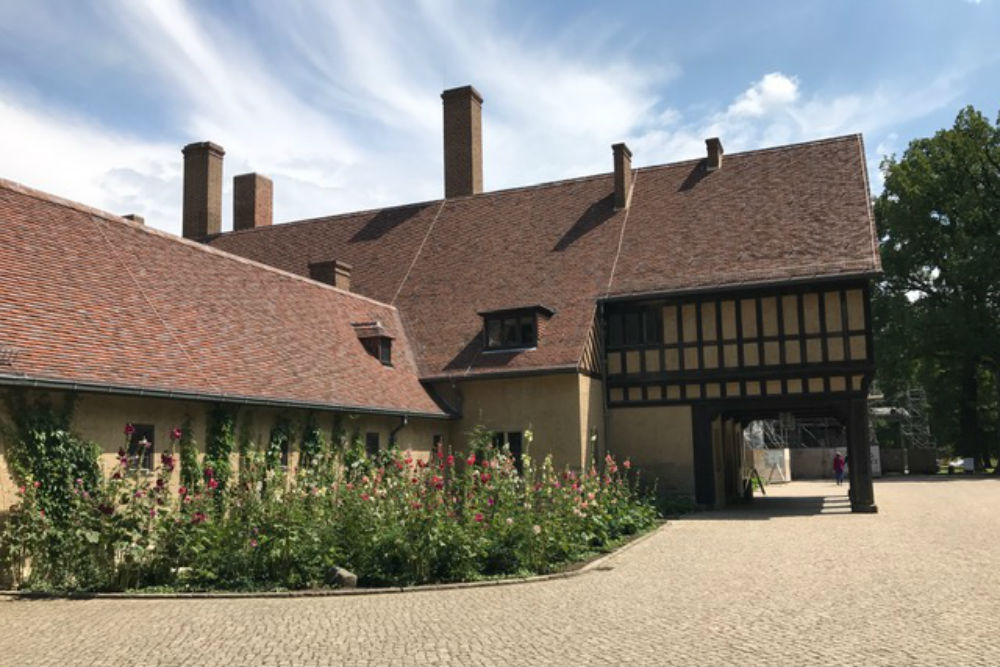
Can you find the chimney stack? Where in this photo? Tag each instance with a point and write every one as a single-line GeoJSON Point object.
{"type": "Point", "coordinates": [332, 272]}
{"type": "Point", "coordinates": [463, 142]}
{"type": "Point", "coordinates": [135, 217]}
{"type": "Point", "coordinates": [252, 199]}
{"type": "Point", "coordinates": [202, 215]}
{"type": "Point", "coordinates": [623, 175]}
{"type": "Point", "coordinates": [714, 154]}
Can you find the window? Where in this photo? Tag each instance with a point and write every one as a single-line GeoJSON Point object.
{"type": "Point", "coordinates": [512, 329]}
{"type": "Point", "coordinates": [379, 347]}
{"type": "Point", "coordinates": [140, 447]}
{"type": "Point", "coordinates": [636, 327]}
{"type": "Point", "coordinates": [371, 443]}
{"type": "Point", "coordinates": [437, 447]}
{"type": "Point", "coordinates": [514, 441]}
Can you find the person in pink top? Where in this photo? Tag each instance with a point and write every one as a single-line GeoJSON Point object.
{"type": "Point", "coordinates": [838, 468]}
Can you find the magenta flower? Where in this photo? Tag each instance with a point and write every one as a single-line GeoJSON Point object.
{"type": "Point", "coordinates": [253, 543]}
{"type": "Point", "coordinates": [479, 517]}
{"type": "Point", "coordinates": [129, 429]}
{"type": "Point", "coordinates": [213, 484]}
{"type": "Point", "coordinates": [175, 433]}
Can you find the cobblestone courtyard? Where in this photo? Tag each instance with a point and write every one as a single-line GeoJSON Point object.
{"type": "Point", "coordinates": [794, 580]}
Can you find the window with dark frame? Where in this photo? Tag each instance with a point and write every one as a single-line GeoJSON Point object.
{"type": "Point", "coordinates": [371, 443]}
{"type": "Point", "coordinates": [379, 347]}
{"type": "Point", "coordinates": [511, 330]}
{"type": "Point", "coordinates": [514, 441]}
{"type": "Point", "coordinates": [140, 446]}
{"type": "Point", "coordinates": [637, 327]}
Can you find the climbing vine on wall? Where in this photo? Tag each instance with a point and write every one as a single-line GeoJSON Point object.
{"type": "Point", "coordinates": [42, 450]}
{"type": "Point", "coordinates": [190, 469]}
{"type": "Point", "coordinates": [313, 443]}
{"type": "Point", "coordinates": [220, 441]}
{"type": "Point", "coordinates": [279, 442]}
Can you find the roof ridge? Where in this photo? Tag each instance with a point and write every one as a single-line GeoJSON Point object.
{"type": "Point", "coordinates": [112, 217]}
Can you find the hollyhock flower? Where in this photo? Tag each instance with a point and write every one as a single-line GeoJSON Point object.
{"type": "Point", "coordinates": [21, 490]}
{"type": "Point", "coordinates": [123, 461]}
{"type": "Point", "coordinates": [591, 495]}
{"type": "Point", "coordinates": [450, 460]}
{"type": "Point", "coordinates": [117, 475]}
{"type": "Point", "coordinates": [485, 477]}
{"type": "Point", "coordinates": [490, 502]}
{"type": "Point", "coordinates": [365, 496]}
{"type": "Point", "coordinates": [36, 484]}
{"type": "Point", "coordinates": [510, 521]}
{"type": "Point", "coordinates": [106, 509]}
{"type": "Point", "coordinates": [471, 460]}
{"type": "Point", "coordinates": [479, 517]}
{"type": "Point", "coordinates": [408, 460]}
{"type": "Point", "coordinates": [536, 529]}
{"type": "Point", "coordinates": [350, 486]}
{"type": "Point", "coordinates": [140, 493]}
{"type": "Point", "coordinates": [414, 480]}
{"type": "Point", "coordinates": [41, 513]}
{"type": "Point", "coordinates": [79, 481]}
{"type": "Point", "coordinates": [198, 517]}
{"type": "Point", "coordinates": [253, 543]}
{"type": "Point", "coordinates": [182, 490]}
{"type": "Point", "coordinates": [152, 511]}
{"type": "Point", "coordinates": [129, 429]}
{"type": "Point", "coordinates": [626, 464]}
{"type": "Point", "coordinates": [437, 482]}
{"type": "Point", "coordinates": [213, 484]}
{"type": "Point", "coordinates": [415, 505]}
{"type": "Point", "coordinates": [175, 433]}
{"type": "Point", "coordinates": [209, 473]}
{"type": "Point", "coordinates": [121, 452]}
{"type": "Point", "coordinates": [421, 464]}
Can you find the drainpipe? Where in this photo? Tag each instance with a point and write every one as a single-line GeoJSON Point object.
{"type": "Point", "coordinates": [403, 421]}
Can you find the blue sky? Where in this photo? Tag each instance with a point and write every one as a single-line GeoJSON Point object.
{"type": "Point", "coordinates": [339, 102]}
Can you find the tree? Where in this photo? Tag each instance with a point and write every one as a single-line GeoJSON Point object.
{"type": "Point", "coordinates": [937, 308]}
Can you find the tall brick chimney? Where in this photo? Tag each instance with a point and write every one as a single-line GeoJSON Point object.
{"type": "Point", "coordinates": [714, 161]}
{"type": "Point", "coordinates": [623, 174]}
{"type": "Point", "coordinates": [202, 190]}
{"type": "Point", "coordinates": [252, 200]}
{"type": "Point", "coordinates": [463, 141]}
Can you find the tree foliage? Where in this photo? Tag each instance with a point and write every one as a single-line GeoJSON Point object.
{"type": "Point", "coordinates": [937, 309]}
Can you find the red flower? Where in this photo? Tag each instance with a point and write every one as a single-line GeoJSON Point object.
{"type": "Point", "coordinates": [365, 496]}
{"type": "Point", "coordinates": [408, 460]}
{"type": "Point", "coordinates": [471, 460]}
{"type": "Point", "coordinates": [437, 482]}
{"type": "Point", "coordinates": [213, 484]}
{"type": "Point", "coordinates": [182, 491]}
{"type": "Point", "coordinates": [479, 517]}
{"type": "Point", "coordinates": [175, 433]}
{"type": "Point", "coordinates": [198, 517]}
{"type": "Point", "coordinates": [450, 460]}
{"type": "Point", "coordinates": [414, 480]}
{"type": "Point", "coordinates": [415, 505]}
{"type": "Point", "coordinates": [421, 463]}
{"type": "Point", "coordinates": [117, 475]}
{"type": "Point", "coordinates": [209, 473]}
{"type": "Point", "coordinates": [129, 429]}
{"type": "Point", "coordinates": [21, 490]}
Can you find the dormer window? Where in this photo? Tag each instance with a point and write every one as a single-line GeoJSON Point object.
{"type": "Point", "coordinates": [376, 340]}
{"type": "Point", "coordinates": [512, 328]}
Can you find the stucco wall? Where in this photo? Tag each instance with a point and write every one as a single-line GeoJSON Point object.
{"type": "Point", "coordinates": [102, 418]}
{"type": "Point", "coordinates": [659, 441]}
{"type": "Point", "coordinates": [548, 405]}
{"type": "Point", "coordinates": [592, 420]}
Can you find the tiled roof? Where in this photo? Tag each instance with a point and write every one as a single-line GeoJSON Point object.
{"type": "Point", "coordinates": [787, 213]}
{"type": "Point", "coordinates": [94, 300]}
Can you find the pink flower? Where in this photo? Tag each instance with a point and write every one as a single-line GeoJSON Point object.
{"type": "Point", "coordinates": [479, 517]}
{"type": "Point", "coordinates": [140, 493]}
{"type": "Point", "coordinates": [415, 505]}
{"type": "Point", "coordinates": [86, 495]}
{"type": "Point", "coordinates": [175, 433]}
{"type": "Point", "coordinates": [365, 496]}
{"type": "Point", "coordinates": [253, 543]}
{"type": "Point", "coordinates": [209, 473]}
{"type": "Point", "coordinates": [41, 513]}
{"type": "Point", "coordinates": [485, 477]}
{"type": "Point", "coordinates": [198, 517]}
{"type": "Point", "coordinates": [213, 484]}
{"type": "Point", "coordinates": [21, 490]}
{"type": "Point", "coordinates": [471, 460]}
{"type": "Point", "coordinates": [450, 460]}
{"type": "Point", "coordinates": [36, 484]}
{"type": "Point", "coordinates": [129, 429]}
{"type": "Point", "coordinates": [152, 511]}
{"type": "Point", "coordinates": [490, 502]}
{"type": "Point", "coordinates": [79, 481]}
{"type": "Point", "coordinates": [627, 464]}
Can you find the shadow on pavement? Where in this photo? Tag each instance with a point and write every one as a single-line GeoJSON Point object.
{"type": "Point", "coordinates": [775, 507]}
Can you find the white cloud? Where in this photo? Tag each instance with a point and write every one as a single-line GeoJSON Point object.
{"type": "Point", "coordinates": [774, 91]}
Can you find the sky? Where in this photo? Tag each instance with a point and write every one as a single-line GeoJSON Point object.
{"type": "Point", "coordinates": [339, 102]}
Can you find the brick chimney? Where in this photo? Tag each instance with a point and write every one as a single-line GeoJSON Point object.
{"type": "Point", "coordinates": [332, 272]}
{"type": "Point", "coordinates": [623, 175]}
{"type": "Point", "coordinates": [202, 215]}
{"type": "Point", "coordinates": [252, 199]}
{"type": "Point", "coordinates": [463, 141]}
{"type": "Point", "coordinates": [135, 217]}
{"type": "Point", "coordinates": [714, 160]}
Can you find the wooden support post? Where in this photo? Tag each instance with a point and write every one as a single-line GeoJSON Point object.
{"type": "Point", "coordinates": [862, 492]}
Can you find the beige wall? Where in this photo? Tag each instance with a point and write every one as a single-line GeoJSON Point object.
{"type": "Point", "coordinates": [659, 440]}
{"type": "Point", "coordinates": [548, 405]}
{"type": "Point", "coordinates": [592, 420]}
{"type": "Point", "coordinates": [102, 418]}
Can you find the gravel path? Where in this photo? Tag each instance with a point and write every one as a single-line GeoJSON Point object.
{"type": "Point", "coordinates": [796, 579]}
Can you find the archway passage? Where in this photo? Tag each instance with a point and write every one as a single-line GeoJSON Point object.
{"type": "Point", "coordinates": [719, 451]}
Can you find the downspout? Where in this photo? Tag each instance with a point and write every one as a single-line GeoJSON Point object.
{"type": "Point", "coordinates": [403, 421]}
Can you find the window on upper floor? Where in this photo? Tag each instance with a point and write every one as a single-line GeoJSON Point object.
{"type": "Point", "coordinates": [512, 329]}
{"type": "Point", "coordinates": [635, 327]}
{"type": "Point", "coordinates": [375, 339]}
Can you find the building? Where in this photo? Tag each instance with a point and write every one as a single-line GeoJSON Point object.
{"type": "Point", "coordinates": [647, 312]}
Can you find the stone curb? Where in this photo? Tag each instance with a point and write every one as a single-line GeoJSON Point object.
{"type": "Point", "coordinates": [598, 564]}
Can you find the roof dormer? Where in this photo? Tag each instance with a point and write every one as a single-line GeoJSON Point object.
{"type": "Point", "coordinates": [513, 328]}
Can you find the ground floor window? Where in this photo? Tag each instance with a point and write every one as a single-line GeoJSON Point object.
{"type": "Point", "coordinates": [140, 446]}
{"type": "Point", "coordinates": [371, 443]}
{"type": "Point", "coordinates": [514, 441]}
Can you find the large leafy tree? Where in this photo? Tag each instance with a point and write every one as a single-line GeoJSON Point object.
{"type": "Point", "coordinates": [937, 308]}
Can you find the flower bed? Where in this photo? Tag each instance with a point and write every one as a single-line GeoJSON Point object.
{"type": "Point", "coordinates": [393, 519]}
